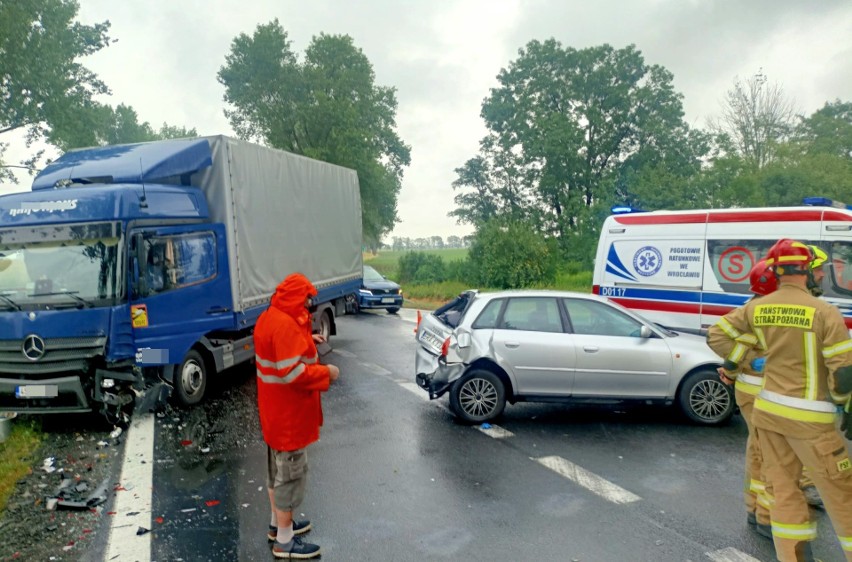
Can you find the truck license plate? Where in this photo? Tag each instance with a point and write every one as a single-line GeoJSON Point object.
{"type": "Point", "coordinates": [37, 391]}
{"type": "Point", "coordinates": [387, 299]}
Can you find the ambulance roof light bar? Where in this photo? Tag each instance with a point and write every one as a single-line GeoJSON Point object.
{"type": "Point", "coordinates": [624, 209]}
{"type": "Point", "coordinates": [825, 202]}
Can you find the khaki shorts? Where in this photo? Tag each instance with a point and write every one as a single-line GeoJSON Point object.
{"type": "Point", "coordinates": [286, 476]}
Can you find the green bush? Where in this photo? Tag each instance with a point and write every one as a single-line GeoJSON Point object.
{"type": "Point", "coordinates": [511, 256]}
{"type": "Point", "coordinates": [421, 268]}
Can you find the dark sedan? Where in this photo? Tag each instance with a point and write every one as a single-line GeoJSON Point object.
{"type": "Point", "coordinates": [378, 292]}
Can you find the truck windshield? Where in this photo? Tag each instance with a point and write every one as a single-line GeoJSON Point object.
{"type": "Point", "coordinates": [60, 266]}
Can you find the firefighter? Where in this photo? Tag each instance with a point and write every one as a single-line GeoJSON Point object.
{"type": "Point", "coordinates": [807, 373]}
{"type": "Point", "coordinates": [748, 383]}
{"type": "Point", "coordinates": [817, 271]}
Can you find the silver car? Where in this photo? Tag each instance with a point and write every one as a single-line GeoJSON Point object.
{"type": "Point", "coordinates": [486, 349]}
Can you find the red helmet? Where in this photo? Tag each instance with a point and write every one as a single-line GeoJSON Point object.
{"type": "Point", "coordinates": [789, 257]}
{"type": "Point", "coordinates": [763, 280]}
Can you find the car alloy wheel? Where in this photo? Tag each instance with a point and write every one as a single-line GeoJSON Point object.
{"type": "Point", "coordinates": [706, 399]}
{"type": "Point", "coordinates": [478, 396]}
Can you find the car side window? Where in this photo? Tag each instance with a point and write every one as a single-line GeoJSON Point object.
{"type": "Point", "coordinates": [534, 314]}
{"type": "Point", "coordinates": [595, 318]}
{"type": "Point", "coordinates": [489, 316]}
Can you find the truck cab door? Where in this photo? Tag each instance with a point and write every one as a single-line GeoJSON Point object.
{"type": "Point", "coordinates": [179, 287]}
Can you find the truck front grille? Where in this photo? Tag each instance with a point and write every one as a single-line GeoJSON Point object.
{"type": "Point", "coordinates": [61, 355]}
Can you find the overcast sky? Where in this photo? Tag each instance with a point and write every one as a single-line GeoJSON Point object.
{"type": "Point", "coordinates": [442, 56]}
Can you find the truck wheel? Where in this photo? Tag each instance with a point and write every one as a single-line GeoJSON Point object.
{"type": "Point", "coordinates": [325, 325]}
{"type": "Point", "coordinates": [352, 306]}
{"type": "Point", "coordinates": [191, 379]}
{"type": "Point", "coordinates": [705, 399]}
{"type": "Point", "coordinates": [478, 396]}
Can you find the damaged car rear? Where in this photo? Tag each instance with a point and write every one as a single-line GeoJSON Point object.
{"type": "Point", "coordinates": [487, 349]}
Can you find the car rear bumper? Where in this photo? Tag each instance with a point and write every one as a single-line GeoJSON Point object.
{"type": "Point", "coordinates": [435, 375]}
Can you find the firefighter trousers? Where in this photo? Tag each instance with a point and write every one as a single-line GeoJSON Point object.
{"type": "Point", "coordinates": [827, 460]}
{"type": "Point", "coordinates": [754, 486]}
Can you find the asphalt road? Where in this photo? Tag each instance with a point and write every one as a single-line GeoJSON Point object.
{"type": "Point", "coordinates": [394, 477]}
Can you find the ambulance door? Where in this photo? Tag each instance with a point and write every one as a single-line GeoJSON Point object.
{"type": "Point", "coordinates": [837, 284]}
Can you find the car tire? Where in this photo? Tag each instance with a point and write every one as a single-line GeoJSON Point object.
{"type": "Point", "coordinates": [191, 379]}
{"type": "Point", "coordinates": [393, 310]}
{"type": "Point", "coordinates": [478, 396]}
{"type": "Point", "coordinates": [705, 399]}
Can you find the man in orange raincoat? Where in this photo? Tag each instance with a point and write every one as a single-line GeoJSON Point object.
{"type": "Point", "coordinates": [289, 382]}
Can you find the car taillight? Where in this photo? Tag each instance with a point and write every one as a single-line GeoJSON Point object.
{"type": "Point", "coordinates": [445, 348]}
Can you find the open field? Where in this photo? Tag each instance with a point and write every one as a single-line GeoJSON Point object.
{"type": "Point", "coordinates": [430, 296]}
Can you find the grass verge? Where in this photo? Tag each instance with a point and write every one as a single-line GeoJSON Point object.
{"type": "Point", "coordinates": [16, 456]}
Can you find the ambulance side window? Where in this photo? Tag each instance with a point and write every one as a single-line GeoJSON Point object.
{"type": "Point", "coordinates": [732, 260]}
{"type": "Point", "coordinates": [839, 270]}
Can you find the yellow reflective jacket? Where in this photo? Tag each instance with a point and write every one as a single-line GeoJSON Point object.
{"type": "Point", "coordinates": [806, 341]}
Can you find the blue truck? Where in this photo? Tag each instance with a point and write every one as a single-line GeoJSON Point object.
{"type": "Point", "coordinates": [130, 273]}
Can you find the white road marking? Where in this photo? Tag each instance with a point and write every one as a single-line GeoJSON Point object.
{"type": "Point", "coordinates": [137, 471]}
{"type": "Point", "coordinates": [496, 432]}
{"type": "Point", "coordinates": [592, 482]}
{"type": "Point", "coordinates": [376, 369]}
{"type": "Point", "coordinates": [730, 554]}
{"type": "Point", "coordinates": [344, 353]}
{"type": "Point", "coordinates": [414, 389]}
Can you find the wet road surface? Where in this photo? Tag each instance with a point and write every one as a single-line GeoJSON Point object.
{"type": "Point", "coordinates": [394, 477]}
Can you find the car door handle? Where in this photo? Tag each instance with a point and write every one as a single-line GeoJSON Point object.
{"type": "Point", "coordinates": [512, 344]}
{"type": "Point", "coordinates": [591, 348]}
{"type": "Point", "coordinates": [218, 309]}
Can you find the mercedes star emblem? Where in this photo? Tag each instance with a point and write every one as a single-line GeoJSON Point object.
{"type": "Point", "coordinates": [33, 348]}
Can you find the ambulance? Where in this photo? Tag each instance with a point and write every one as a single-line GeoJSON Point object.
{"type": "Point", "coordinates": [685, 269]}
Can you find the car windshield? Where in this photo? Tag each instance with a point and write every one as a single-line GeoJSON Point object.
{"type": "Point", "coordinates": [371, 274]}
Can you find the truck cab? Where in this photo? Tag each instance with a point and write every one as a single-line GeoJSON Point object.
{"type": "Point", "coordinates": [119, 286]}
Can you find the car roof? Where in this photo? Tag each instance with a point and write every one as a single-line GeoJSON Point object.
{"type": "Point", "coordinates": [539, 293]}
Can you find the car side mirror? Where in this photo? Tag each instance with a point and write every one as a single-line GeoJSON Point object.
{"type": "Point", "coordinates": [645, 332]}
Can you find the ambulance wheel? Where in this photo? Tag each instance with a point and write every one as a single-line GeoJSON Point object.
{"type": "Point", "coordinates": [478, 396]}
{"type": "Point", "coordinates": [191, 379]}
{"type": "Point", "coordinates": [705, 399]}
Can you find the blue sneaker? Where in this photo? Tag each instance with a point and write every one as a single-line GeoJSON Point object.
{"type": "Point", "coordinates": [295, 549]}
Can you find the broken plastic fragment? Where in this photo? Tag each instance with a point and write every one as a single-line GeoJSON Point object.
{"type": "Point", "coordinates": [142, 530]}
{"type": "Point", "coordinates": [211, 503]}
{"type": "Point", "coordinates": [486, 425]}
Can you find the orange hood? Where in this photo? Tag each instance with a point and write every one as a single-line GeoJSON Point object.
{"type": "Point", "coordinates": [291, 293]}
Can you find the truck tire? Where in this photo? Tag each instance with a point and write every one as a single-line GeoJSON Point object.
{"type": "Point", "coordinates": [325, 325]}
{"type": "Point", "coordinates": [352, 306]}
{"type": "Point", "coordinates": [478, 396]}
{"type": "Point", "coordinates": [191, 379]}
{"type": "Point", "coordinates": [705, 399]}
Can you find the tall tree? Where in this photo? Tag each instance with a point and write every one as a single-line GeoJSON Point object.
{"type": "Point", "coordinates": [828, 130]}
{"type": "Point", "coordinates": [326, 106]}
{"type": "Point", "coordinates": [43, 86]}
{"type": "Point", "coordinates": [575, 120]}
{"type": "Point", "coordinates": [757, 117]}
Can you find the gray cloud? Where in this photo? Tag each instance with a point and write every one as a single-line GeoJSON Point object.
{"type": "Point", "coordinates": [443, 57]}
